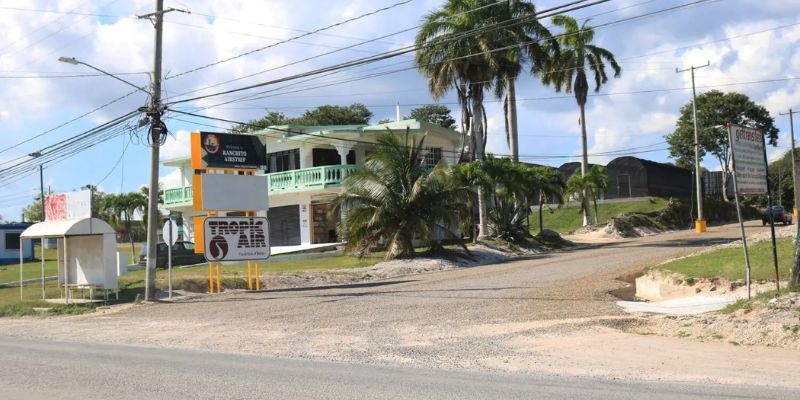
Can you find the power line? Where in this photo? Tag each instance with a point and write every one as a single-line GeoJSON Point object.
{"type": "Point", "coordinates": [408, 49]}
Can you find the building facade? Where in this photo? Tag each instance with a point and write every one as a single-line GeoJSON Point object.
{"type": "Point", "coordinates": [306, 166]}
{"type": "Point", "coordinates": [10, 244]}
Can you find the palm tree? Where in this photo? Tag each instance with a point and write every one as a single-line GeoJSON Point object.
{"type": "Point", "coordinates": [128, 204]}
{"type": "Point", "coordinates": [395, 198]}
{"type": "Point", "coordinates": [597, 179]}
{"type": "Point", "coordinates": [463, 65]}
{"type": "Point", "coordinates": [525, 41]}
{"type": "Point", "coordinates": [578, 186]}
{"type": "Point", "coordinates": [550, 186]}
{"type": "Point", "coordinates": [568, 71]}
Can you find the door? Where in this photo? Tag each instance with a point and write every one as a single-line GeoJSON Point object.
{"type": "Point", "coordinates": [284, 225]}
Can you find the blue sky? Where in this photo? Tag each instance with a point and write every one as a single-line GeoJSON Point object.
{"type": "Point", "coordinates": [745, 41]}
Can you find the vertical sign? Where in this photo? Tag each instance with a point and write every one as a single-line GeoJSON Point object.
{"type": "Point", "coordinates": [749, 159]}
{"type": "Point", "coordinates": [64, 206]}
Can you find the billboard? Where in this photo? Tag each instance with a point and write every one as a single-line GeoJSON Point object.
{"type": "Point", "coordinates": [229, 192]}
{"type": "Point", "coordinates": [227, 151]}
{"type": "Point", "coordinates": [749, 159]}
{"type": "Point", "coordinates": [66, 206]}
{"type": "Point", "coordinates": [235, 238]}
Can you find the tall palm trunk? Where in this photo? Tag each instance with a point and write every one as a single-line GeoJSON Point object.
{"type": "Point", "coordinates": [584, 165]}
{"type": "Point", "coordinates": [511, 120]}
{"type": "Point", "coordinates": [541, 205]}
{"type": "Point", "coordinates": [478, 130]}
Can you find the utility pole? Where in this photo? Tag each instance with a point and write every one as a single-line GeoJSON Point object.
{"type": "Point", "coordinates": [158, 133]}
{"type": "Point", "coordinates": [700, 223]}
{"type": "Point", "coordinates": [41, 189]}
{"type": "Point", "coordinates": [795, 186]}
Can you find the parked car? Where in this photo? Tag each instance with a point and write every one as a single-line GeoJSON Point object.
{"type": "Point", "coordinates": [182, 254]}
{"type": "Point", "coordinates": [778, 215]}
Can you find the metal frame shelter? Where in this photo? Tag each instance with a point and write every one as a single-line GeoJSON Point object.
{"type": "Point", "coordinates": [86, 250]}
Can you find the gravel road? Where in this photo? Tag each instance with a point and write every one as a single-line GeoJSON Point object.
{"type": "Point", "coordinates": [549, 313]}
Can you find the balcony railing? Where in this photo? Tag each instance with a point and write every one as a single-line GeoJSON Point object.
{"type": "Point", "coordinates": [181, 196]}
{"type": "Point", "coordinates": [309, 178]}
{"type": "Point", "coordinates": [279, 182]}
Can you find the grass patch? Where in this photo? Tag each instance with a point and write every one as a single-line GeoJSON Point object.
{"type": "Point", "coordinates": [568, 218]}
{"type": "Point", "coordinates": [27, 308]}
{"type": "Point", "coordinates": [729, 262]}
{"type": "Point", "coordinates": [747, 306]}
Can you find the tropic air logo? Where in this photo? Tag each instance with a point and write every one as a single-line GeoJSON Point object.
{"type": "Point", "coordinates": [218, 247]}
{"type": "Point", "coordinates": [211, 144]}
{"type": "Point", "coordinates": [247, 234]}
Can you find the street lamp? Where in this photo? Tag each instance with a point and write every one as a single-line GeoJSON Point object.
{"type": "Point", "coordinates": [73, 61]}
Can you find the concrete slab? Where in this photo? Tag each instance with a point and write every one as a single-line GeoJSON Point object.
{"type": "Point", "coordinates": [683, 306]}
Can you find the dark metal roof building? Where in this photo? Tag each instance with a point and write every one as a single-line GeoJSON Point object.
{"type": "Point", "coordinates": [635, 177]}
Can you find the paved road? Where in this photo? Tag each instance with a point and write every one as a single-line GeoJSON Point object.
{"type": "Point", "coordinates": [35, 369]}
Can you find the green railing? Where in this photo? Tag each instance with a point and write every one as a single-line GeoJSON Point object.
{"type": "Point", "coordinates": [309, 178]}
{"type": "Point", "coordinates": [178, 196]}
{"type": "Point", "coordinates": [279, 182]}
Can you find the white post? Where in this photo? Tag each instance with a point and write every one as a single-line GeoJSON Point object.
{"type": "Point", "coordinates": [41, 242]}
{"type": "Point", "coordinates": [20, 268]}
{"type": "Point", "coordinates": [66, 272]}
{"type": "Point", "coordinates": [397, 112]}
{"type": "Point", "coordinates": [169, 259]}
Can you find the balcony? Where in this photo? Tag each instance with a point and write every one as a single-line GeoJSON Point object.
{"type": "Point", "coordinates": [298, 180]}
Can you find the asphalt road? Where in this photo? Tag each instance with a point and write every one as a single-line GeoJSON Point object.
{"type": "Point", "coordinates": [38, 369]}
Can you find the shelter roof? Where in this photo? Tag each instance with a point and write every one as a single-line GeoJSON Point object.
{"type": "Point", "coordinates": [71, 227]}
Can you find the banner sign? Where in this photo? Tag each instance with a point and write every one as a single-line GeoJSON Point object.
{"type": "Point", "coordinates": [66, 206]}
{"type": "Point", "coordinates": [230, 192]}
{"type": "Point", "coordinates": [235, 238]}
{"type": "Point", "coordinates": [749, 160]}
{"type": "Point", "coordinates": [223, 150]}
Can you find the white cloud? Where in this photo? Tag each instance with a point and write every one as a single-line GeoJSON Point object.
{"type": "Point", "coordinates": [177, 146]}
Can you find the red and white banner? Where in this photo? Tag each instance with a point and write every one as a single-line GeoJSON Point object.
{"type": "Point", "coordinates": [64, 206]}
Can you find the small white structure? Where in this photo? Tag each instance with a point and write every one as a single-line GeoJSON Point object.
{"type": "Point", "coordinates": [86, 253]}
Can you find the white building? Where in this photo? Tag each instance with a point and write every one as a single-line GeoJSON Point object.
{"type": "Point", "coordinates": [305, 172]}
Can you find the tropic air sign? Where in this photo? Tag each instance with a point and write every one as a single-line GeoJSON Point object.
{"type": "Point", "coordinates": [236, 238]}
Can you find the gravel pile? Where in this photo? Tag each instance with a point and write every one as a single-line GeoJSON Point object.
{"type": "Point", "coordinates": [481, 255]}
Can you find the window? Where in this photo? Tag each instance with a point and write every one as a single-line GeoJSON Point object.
{"type": "Point", "coordinates": [432, 156]}
{"type": "Point", "coordinates": [281, 161]}
{"type": "Point", "coordinates": [189, 246]}
{"type": "Point", "coordinates": [12, 241]}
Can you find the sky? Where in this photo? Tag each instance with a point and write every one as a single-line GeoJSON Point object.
{"type": "Point", "coordinates": [752, 47]}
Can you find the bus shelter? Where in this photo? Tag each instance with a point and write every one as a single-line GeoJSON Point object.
{"type": "Point", "coordinates": [86, 258]}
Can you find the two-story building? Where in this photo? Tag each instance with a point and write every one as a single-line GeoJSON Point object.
{"type": "Point", "coordinates": [306, 166]}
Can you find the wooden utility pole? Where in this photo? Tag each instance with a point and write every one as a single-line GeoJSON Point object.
{"type": "Point", "coordinates": [794, 280]}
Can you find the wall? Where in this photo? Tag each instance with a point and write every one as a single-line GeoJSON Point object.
{"type": "Point", "coordinates": [91, 260]}
{"type": "Point", "coordinates": [12, 255]}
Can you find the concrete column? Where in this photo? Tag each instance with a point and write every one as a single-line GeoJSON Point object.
{"type": "Point", "coordinates": [343, 149]}
{"type": "Point", "coordinates": [305, 223]}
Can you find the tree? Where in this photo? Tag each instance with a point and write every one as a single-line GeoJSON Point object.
{"type": "Point", "coordinates": [597, 179]}
{"type": "Point", "coordinates": [578, 186]}
{"type": "Point", "coordinates": [550, 186]}
{"type": "Point", "coordinates": [524, 41]}
{"type": "Point", "coordinates": [461, 64]}
{"type": "Point", "coordinates": [33, 212]}
{"type": "Point", "coordinates": [715, 109]}
{"type": "Point", "coordinates": [576, 59]}
{"type": "Point", "coordinates": [395, 198]}
{"type": "Point", "coordinates": [354, 114]}
{"type": "Point", "coordinates": [435, 114]}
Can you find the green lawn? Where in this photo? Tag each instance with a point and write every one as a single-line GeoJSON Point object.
{"type": "Point", "coordinates": [133, 283]}
{"type": "Point", "coordinates": [568, 218]}
{"type": "Point", "coordinates": [729, 262]}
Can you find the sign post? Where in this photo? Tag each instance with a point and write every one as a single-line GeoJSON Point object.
{"type": "Point", "coordinates": [749, 157]}
{"type": "Point", "coordinates": [170, 238]}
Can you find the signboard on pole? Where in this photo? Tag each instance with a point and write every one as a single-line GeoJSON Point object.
{"type": "Point", "coordinates": [169, 232]}
{"type": "Point", "coordinates": [749, 159]}
{"type": "Point", "coordinates": [236, 238]}
{"type": "Point", "coordinates": [66, 206]}
{"type": "Point", "coordinates": [227, 151]}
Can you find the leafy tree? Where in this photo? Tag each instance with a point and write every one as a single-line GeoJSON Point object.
{"type": "Point", "coordinates": [395, 198]}
{"type": "Point", "coordinates": [354, 114]}
{"type": "Point", "coordinates": [385, 121]}
{"type": "Point", "coordinates": [715, 109]}
{"type": "Point", "coordinates": [435, 114]}
{"type": "Point", "coordinates": [33, 212]}
{"type": "Point", "coordinates": [577, 58]}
